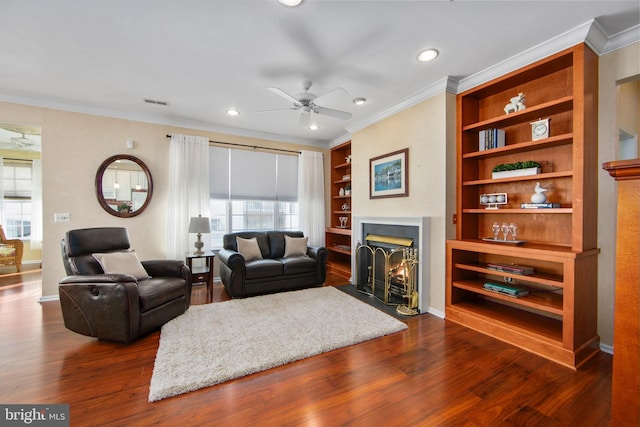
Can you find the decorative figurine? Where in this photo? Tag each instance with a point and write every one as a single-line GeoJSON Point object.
{"type": "Point", "coordinates": [539, 196]}
{"type": "Point", "coordinates": [516, 104]}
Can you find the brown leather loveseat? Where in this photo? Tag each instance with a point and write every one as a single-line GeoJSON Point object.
{"type": "Point", "coordinates": [118, 306]}
{"type": "Point", "coordinates": [274, 266]}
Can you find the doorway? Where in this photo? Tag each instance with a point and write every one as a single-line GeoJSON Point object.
{"type": "Point", "coordinates": [20, 197]}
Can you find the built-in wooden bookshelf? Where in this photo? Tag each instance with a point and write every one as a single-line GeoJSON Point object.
{"type": "Point", "coordinates": [558, 319]}
{"type": "Point", "coordinates": [338, 236]}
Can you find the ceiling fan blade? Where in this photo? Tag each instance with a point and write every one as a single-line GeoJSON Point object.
{"type": "Point", "coordinates": [278, 109]}
{"type": "Point", "coordinates": [329, 97]}
{"type": "Point", "coordinates": [333, 113]}
{"type": "Point", "coordinates": [285, 95]}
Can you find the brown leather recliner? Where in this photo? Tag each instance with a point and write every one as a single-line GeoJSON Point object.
{"type": "Point", "coordinates": [117, 307]}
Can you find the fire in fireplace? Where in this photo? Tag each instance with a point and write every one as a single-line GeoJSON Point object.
{"type": "Point", "coordinates": [386, 269]}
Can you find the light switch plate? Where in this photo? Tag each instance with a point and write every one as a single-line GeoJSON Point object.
{"type": "Point", "coordinates": [61, 217]}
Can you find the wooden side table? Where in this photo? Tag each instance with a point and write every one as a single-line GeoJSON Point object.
{"type": "Point", "coordinates": [202, 274]}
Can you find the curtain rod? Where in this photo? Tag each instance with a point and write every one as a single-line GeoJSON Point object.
{"type": "Point", "coordinates": [17, 160]}
{"type": "Point", "coordinates": [250, 146]}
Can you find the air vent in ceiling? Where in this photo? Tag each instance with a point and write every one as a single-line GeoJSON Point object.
{"type": "Point", "coordinates": [156, 102]}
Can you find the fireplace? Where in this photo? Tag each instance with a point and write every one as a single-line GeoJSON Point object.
{"type": "Point", "coordinates": [390, 262]}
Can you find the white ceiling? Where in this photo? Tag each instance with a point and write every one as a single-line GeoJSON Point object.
{"type": "Point", "coordinates": [201, 57]}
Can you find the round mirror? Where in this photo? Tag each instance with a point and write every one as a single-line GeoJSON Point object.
{"type": "Point", "coordinates": [123, 185]}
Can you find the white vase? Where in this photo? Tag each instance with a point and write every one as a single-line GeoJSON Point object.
{"type": "Point", "coordinates": [341, 192]}
{"type": "Point", "coordinates": [538, 198]}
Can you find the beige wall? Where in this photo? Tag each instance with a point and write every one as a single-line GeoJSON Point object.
{"type": "Point", "coordinates": [616, 66]}
{"type": "Point", "coordinates": [73, 147]}
{"type": "Point", "coordinates": [628, 107]}
{"type": "Point", "coordinates": [428, 130]}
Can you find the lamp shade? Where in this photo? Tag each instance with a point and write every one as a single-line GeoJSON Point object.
{"type": "Point", "coordinates": [199, 224]}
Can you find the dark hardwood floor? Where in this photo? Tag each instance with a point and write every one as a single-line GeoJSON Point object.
{"type": "Point", "coordinates": [436, 373]}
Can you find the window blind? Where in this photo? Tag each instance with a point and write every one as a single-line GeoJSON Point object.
{"type": "Point", "coordinates": [250, 175]}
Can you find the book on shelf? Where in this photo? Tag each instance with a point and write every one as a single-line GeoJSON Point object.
{"type": "Point", "coordinates": [539, 205]}
{"type": "Point", "coordinates": [490, 138]}
{"type": "Point", "coordinates": [511, 268]}
{"type": "Point", "coordinates": [509, 290]}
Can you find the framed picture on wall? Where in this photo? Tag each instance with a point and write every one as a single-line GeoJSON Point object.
{"type": "Point", "coordinates": [388, 175]}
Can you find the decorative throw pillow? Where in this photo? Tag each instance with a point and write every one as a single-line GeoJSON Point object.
{"type": "Point", "coordinates": [122, 263]}
{"type": "Point", "coordinates": [249, 248]}
{"type": "Point", "coordinates": [295, 246]}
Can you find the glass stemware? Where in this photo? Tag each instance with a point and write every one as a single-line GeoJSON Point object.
{"type": "Point", "coordinates": [495, 227]}
{"type": "Point", "coordinates": [505, 230]}
{"type": "Point", "coordinates": [513, 228]}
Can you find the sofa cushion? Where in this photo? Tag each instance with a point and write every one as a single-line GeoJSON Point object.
{"type": "Point", "coordinates": [249, 248]}
{"type": "Point", "coordinates": [277, 244]}
{"type": "Point", "coordinates": [122, 263]}
{"type": "Point", "coordinates": [299, 265]}
{"type": "Point", "coordinates": [295, 246]}
{"type": "Point", "coordinates": [264, 268]}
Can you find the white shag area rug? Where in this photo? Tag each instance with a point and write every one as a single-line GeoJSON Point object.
{"type": "Point", "coordinates": [213, 343]}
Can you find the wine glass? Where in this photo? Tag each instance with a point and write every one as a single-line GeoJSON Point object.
{"type": "Point", "coordinates": [495, 227]}
{"type": "Point", "coordinates": [505, 230]}
{"type": "Point", "coordinates": [513, 228]}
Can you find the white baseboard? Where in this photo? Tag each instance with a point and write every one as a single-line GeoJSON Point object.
{"type": "Point", "coordinates": [606, 348]}
{"type": "Point", "coordinates": [435, 312]}
{"type": "Point", "coordinates": [48, 298]}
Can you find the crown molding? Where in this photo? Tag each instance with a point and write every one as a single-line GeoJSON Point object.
{"type": "Point", "coordinates": [166, 121]}
{"type": "Point", "coordinates": [529, 56]}
{"type": "Point", "coordinates": [436, 88]}
{"type": "Point", "coordinates": [339, 140]}
{"type": "Point", "coordinates": [622, 39]}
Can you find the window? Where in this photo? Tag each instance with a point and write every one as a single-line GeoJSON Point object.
{"type": "Point", "coordinates": [252, 191]}
{"type": "Point", "coordinates": [16, 181]}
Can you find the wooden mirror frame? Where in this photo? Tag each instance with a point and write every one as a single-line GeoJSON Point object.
{"type": "Point", "coordinates": [100, 195]}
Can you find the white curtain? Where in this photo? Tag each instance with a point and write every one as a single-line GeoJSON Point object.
{"type": "Point", "coordinates": [36, 204]}
{"type": "Point", "coordinates": [188, 191]}
{"type": "Point", "coordinates": [311, 196]}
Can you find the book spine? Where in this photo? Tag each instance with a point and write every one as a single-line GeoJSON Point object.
{"type": "Point", "coordinates": [500, 139]}
{"type": "Point", "coordinates": [539, 205]}
{"type": "Point", "coordinates": [481, 137]}
{"type": "Point", "coordinates": [512, 270]}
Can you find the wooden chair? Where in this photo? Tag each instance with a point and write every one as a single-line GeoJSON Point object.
{"type": "Point", "coordinates": [10, 251]}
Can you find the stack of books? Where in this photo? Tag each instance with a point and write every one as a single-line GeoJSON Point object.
{"type": "Point", "coordinates": [491, 138]}
{"type": "Point", "coordinates": [511, 268]}
{"type": "Point", "coordinates": [511, 291]}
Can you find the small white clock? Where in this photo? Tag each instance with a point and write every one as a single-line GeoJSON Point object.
{"type": "Point", "coordinates": [540, 129]}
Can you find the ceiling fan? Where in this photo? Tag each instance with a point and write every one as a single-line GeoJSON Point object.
{"type": "Point", "coordinates": [309, 103]}
{"type": "Point", "coordinates": [20, 143]}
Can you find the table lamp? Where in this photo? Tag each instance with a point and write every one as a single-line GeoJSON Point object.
{"type": "Point", "coordinates": [199, 225]}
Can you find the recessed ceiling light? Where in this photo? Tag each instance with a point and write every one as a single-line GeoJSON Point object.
{"type": "Point", "coordinates": [290, 3]}
{"type": "Point", "coordinates": [428, 55]}
{"type": "Point", "coordinates": [314, 126]}
{"type": "Point", "coordinates": [360, 101]}
{"type": "Point", "coordinates": [232, 112]}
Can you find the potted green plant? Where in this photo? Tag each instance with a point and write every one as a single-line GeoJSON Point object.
{"type": "Point", "coordinates": [347, 190]}
{"type": "Point", "coordinates": [507, 170]}
{"type": "Point", "coordinates": [124, 208]}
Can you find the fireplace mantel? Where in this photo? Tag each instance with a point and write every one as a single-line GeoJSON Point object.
{"type": "Point", "coordinates": [423, 248]}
